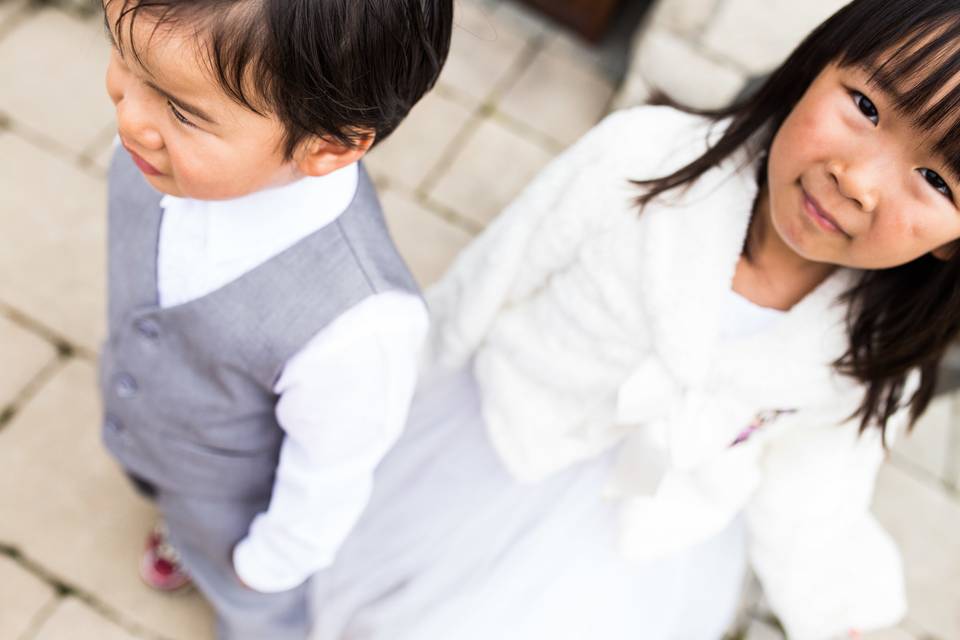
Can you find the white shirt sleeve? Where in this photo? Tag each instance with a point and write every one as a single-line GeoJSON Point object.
{"type": "Point", "coordinates": [343, 403]}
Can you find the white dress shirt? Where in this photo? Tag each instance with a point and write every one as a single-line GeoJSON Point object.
{"type": "Point", "coordinates": [343, 398]}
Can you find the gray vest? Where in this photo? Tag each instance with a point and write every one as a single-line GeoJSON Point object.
{"type": "Point", "coordinates": [188, 390]}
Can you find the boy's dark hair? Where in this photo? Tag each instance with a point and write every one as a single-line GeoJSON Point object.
{"type": "Point", "coordinates": [906, 316]}
{"type": "Point", "coordinates": [338, 69]}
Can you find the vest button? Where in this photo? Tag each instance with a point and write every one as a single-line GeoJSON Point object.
{"type": "Point", "coordinates": [147, 328]}
{"type": "Point", "coordinates": [125, 386]}
{"type": "Point", "coordinates": [112, 424]}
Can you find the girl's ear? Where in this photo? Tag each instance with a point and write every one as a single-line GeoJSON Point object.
{"type": "Point", "coordinates": [318, 157]}
{"type": "Point", "coordinates": [947, 251]}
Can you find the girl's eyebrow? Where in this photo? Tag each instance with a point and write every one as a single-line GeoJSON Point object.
{"type": "Point", "coordinates": [894, 97]}
{"type": "Point", "coordinates": [183, 104]}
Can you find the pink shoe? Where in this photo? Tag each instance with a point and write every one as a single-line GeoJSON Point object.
{"type": "Point", "coordinates": [160, 567]}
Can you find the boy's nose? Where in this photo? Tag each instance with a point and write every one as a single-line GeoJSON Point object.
{"type": "Point", "coordinates": [135, 125]}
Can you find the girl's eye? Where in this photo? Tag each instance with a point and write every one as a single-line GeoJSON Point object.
{"type": "Point", "coordinates": [179, 116]}
{"type": "Point", "coordinates": [935, 181]}
{"type": "Point", "coordinates": [866, 107]}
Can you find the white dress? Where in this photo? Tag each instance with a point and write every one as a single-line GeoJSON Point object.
{"type": "Point", "coordinates": [451, 547]}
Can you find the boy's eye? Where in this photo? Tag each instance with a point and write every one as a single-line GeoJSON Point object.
{"type": "Point", "coordinates": [866, 107]}
{"type": "Point", "coordinates": [935, 181]}
{"type": "Point", "coordinates": [179, 116]}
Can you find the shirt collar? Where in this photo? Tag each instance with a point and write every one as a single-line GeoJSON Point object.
{"type": "Point", "coordinates": [274, 218]}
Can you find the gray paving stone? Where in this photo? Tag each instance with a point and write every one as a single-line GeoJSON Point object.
{"type": "Point", "coordinates": [924, 521]}
{"type": "Point", "coordinates": [686, 17]}
{"type": "Point", "coordinates": [523, 19]}
{"type": "Point", "coordinates": [22, 598]}
{"type": "Point", "coordinates": [54, 272]}
{"type": "Point", "coordinates": [76, 515]}
{"type": "Point", "coordinates": [953, 453]}
{"type": "Point", "coordinates": [101, 150]}
{"type": "Point", "coordinates": [759, 34]}
{"type": "Point", "coordinates": [493, 166]}
{"type": "Point", "coordinates": [890, 634]}
{"type": "Point", "coordinates": [415, 148]}
{"type": "Point", "coordinates": [558, 95]}
{"type": "Point", "coordinates": [24, 355]}
{"type": "Point", "coordinates": [703, 82]}
{"type": "Point", "coordinates": [10, 7]}
{"type": "Point", "coordinates": [73, 620]}
{"type": "Point", "coordinates": [483, 51]}
{"type": "Point", "coordinates": [52, 70]}
{"type": "Point", "coordinates": [427, 242]}
{"type": "Point", "coordinates": [762, 631]}
{"type": "Point", "coordinates": [927, 446]}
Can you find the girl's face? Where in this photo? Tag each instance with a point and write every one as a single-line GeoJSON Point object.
{"type": "Point", "coordinates": [186, 135]}
{"type": "Point", "coordinates": [854, 183]}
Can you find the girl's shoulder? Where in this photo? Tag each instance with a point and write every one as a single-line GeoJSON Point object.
{"type": "Point", "coordinates": [652, 139]}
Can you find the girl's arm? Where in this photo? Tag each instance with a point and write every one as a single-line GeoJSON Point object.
{"type": "Point", "coordinates": [826, 564]}
{"type": "Point", "coordinates": [540, 232]}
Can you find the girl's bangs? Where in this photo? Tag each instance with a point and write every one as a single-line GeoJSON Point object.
{"type": "Point", "coordinates": [918, 68]}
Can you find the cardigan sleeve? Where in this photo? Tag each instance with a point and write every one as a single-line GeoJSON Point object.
{"type": "Point", "coordinates": [537, 234]}
{"type": "Point", "coordinates": [826, 564]}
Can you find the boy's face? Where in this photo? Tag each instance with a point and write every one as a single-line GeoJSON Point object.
{"type": "Point", "coordinates": [187, 136]}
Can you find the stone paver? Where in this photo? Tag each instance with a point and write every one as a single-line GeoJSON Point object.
{"type": "Point", "coordinates": [52, 77]}
{"type": "Point", "coordinates": [686, 18]}
{"type": "Point", "coordinates": [55, 271]}
{"type": "Point", "coordinates": [414, 149]}
{"type": "Point", "coordinates": [889, 634]}
{"type": "Point", "coordinates": [759, 35]}
{"type": "Point", "coordinates": [23, 597]}
{"type": "Point", "coordinates": [8, 8]}
{"type": "Point", "coordinates": [76, 515]}
{"type": "Point", "coordinates": [490, 169]}
{"type": "Point", "coordinates": [73, 620]}
{"type": "Point", "coordinates": [716, 87]}
{"type": "Point", "coordinates": [928, 445]}
{"type": "Point", "coordinates": [762, 631]}
{"type": "Point", "coordinates": [953, 457]}
{"type": "Point", "coordinates": [558, 95]}
{"type": "Point", "coordinates": [483, 51]}
{"type": "Point", "coordinates": [924, 522]}
{"type": "Point", "coordinates": [24, 355]}
{"type": "Point", "coordinates": [427, 242]}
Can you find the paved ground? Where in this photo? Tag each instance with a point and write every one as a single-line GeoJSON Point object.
{"type": "Point", "coordinates": [515, 93]}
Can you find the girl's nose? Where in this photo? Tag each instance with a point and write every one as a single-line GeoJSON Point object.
{"type": "Point", "coordinates": [858, 182]}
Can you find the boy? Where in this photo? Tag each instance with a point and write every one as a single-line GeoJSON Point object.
{"type": "Point", "coordinates": [263, 331]}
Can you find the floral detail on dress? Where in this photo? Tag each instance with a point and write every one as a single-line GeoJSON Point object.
{"type": "Point", "coordinates": [759, 421]}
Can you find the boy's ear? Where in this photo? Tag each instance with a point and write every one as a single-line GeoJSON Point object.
{"type": "Point", "coordinates": [318, 156]}
{"type": "Point", "coordinates": [947, 251]}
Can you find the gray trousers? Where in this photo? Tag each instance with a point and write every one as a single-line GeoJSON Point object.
{"type": "Point", "coordinates": [205, 532]}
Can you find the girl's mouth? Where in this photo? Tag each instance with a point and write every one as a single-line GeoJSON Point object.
{"type": "Point", "coordinates": [820, 216]}
{"type": "Point", "coordinates": [142, 164]}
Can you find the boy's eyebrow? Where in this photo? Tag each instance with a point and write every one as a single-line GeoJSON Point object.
{"type": "Point", "coordinates": [186, 106]}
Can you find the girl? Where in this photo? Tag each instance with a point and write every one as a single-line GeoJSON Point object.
{"type": "Point", "coordinates": [622, 388]}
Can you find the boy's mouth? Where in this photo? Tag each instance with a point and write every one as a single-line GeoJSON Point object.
{"type": "Point", "coordinates": [143, 165]}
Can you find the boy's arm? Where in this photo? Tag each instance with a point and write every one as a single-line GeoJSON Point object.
{"type": "Point", "coordinates": [343, 403]}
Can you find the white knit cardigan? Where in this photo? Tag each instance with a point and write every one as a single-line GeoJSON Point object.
{"type": "Point", "coordinates": [593, 325]}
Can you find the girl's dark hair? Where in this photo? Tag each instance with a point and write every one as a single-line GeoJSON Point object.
{"type": "Point", "coordinates": [331, 68]}
{"type": "Point", "coordinates": [906, 316]}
